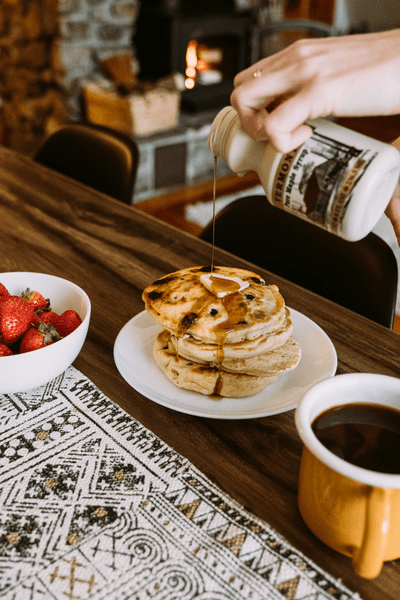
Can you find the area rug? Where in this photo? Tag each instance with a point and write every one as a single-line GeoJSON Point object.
{"type": "Point", "coordinates": [95, 506]}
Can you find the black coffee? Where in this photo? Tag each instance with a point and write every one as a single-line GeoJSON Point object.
{"type": "Point", "coordinates": [366, 435]}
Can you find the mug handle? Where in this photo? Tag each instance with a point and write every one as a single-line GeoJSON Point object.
{"type": "Point", "coordinates": [369, 558]}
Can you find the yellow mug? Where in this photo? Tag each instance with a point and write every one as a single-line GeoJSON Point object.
{"type": "Point", "coordinates": [353, 510]}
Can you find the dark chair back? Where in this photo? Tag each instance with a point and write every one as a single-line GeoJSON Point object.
{"type": "Point", "coordinates": [102, 158]}
{"type": "Point", "coordinates": [361, 276]}
{"type": "Point", "coordinates": [269, 37]}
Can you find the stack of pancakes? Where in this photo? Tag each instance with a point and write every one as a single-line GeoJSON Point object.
{"type": "Point", "coordinates": [225, 334]}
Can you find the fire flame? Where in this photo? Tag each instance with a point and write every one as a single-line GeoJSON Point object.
{"type": "Point", "coordinates": [191, 62]}
{"type": "Point", "coordinates": [202, 64]}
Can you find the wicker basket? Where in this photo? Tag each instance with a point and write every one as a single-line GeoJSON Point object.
{"type": "Point", "coordinates": [140, 114]}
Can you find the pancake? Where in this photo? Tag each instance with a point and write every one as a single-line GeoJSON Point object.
{"type": "Point", "coordinates": [203, 378]}
{"type": "Point", "coordinates": [275, 362]}
{"type": "Point", "coordinates": [224, 334]}
{"type": "Point", "coordinates": [201, 352]}
{"type": "Point", "coordinates": [181, 303]}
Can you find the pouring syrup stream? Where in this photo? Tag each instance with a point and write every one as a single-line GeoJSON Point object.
{"type": "Point", "coordinates": [213, 230]}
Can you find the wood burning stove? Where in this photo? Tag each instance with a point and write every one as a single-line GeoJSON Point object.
{"type": "Point", "coordinates": [207, 42]}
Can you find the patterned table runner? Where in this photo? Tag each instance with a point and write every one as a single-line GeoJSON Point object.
{"type": "Point", "coordinates": [94, 505]}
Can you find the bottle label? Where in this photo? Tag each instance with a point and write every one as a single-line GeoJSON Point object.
{"type": "Point", "coordinates": [317, 180]}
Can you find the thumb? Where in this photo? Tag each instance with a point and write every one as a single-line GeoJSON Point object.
{"type": "Point", "coordinates": [393, 209]}
{"type": "Point", "coordinates": [393, 213]}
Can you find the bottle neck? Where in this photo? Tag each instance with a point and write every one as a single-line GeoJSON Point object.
{"type": "Point", "coordinates": [228, 141]}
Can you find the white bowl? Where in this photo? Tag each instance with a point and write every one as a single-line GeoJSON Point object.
{"type": "Point", "coordinates": [23, 372]}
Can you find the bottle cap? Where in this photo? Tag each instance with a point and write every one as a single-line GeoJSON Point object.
{"type": "Point", "coordinates": [220, 130]}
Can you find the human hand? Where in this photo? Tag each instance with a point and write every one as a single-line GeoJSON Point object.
{"type": "Point", "coordinates": [354, 75]}
{"type": "Point", "coordinates": [393, 209]}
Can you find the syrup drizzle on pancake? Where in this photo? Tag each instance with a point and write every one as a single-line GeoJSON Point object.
{"type": "Point", "coordinates": [190, 311]}
{"type": "Point", "coordinates": [242, 310]}
{"type": "Point", "coordinates": [225, 285]}
{"type": "Point", "coordinates": [222, 285]}
{"type": "Point", "coordinates": [181, 303]}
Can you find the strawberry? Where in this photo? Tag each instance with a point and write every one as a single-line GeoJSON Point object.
{"type": "Point", "coordinates": [4, 293]}
{"type": "Point", "coordinates": [49, 317]}
{"type": "Point", "coordinates": [5, 350]}
{"type": "Point", "coordinates": [16, 317]}
{"type": "Point", "coordinates": [69, 321]}
{"type": "Point", "coordinates": [39, 337]}
{"type": "Point", "coordinates": [35, 298]}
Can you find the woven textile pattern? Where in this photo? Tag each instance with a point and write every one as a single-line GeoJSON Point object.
{"type": "Point", "coordinates": [94, 505]}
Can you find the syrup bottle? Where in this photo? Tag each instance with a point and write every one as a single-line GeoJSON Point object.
{"type": "Point", "coordinates": [338, 179]}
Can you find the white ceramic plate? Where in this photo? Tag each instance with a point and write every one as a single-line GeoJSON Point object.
{"type": "Point", "coordinates": [133, 355]}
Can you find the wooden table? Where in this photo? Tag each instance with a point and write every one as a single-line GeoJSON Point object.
{"type": "Point", "coordinates": [52, 224]}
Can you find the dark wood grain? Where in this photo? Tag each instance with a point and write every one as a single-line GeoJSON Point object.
{"type": "Point", "coordinates": [54, 225]}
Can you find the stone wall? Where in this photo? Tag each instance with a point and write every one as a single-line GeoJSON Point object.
{"type": "Point", "coordinates": [91, 31]}
{"type": "Point", "coordinates": [48, 50]}
{"type": "Point", "coordinates": [30, 91]}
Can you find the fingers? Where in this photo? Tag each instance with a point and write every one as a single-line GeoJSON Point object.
{"type": "Point", "coordinates": [287, 141]}
{"type": "Point", "coordinates": [396, 143]}
{"type": "Point", "coordinates": [283, 124]}
{"type": "Point", "coordinates": [354, 75]}
{"type": "Point", "coordinates": [275, 104]}
{"type": "Point", "coordinates": [266, 64]}
{"type": "Point", "coordinates": [292, 58]}
{"type": "Point", "coordinates": [393, 209]}
{"type": "Point", "coordinates": [261, 125]}
{"type": "Point", "coordinates": [393, 213]}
